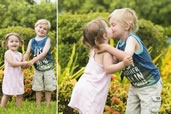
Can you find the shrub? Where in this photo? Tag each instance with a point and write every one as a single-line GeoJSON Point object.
{"type": "Point", "coordinates": [166, 77]}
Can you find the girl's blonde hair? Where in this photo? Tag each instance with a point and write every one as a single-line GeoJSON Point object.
{"type": "Point", "coordinates": [126, 17]}
{"type": "Point", "coordinates": [93, 33]}
{"type": "Point", "coordinates": [5, 42]}
{"type": "Point", "coordinates": [43, 21]}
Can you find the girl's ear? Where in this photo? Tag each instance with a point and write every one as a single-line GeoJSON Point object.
{"type": "Point", "coordinates": [105, 36]}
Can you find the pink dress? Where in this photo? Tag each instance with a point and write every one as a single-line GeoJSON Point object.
{"type": "Point", "coordinates": [90, 92]}
{"type": "Point", "coordinates": [13, 82]}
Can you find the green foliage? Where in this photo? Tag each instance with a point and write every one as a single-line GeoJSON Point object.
{"type": "Point", "coordinates": [155, 10]}
{"type": "Point", "coordinates": [66, 81]}
{"type": "Point", "coordinates": [70, 31]}
{"type": "Point", "coordinates": [150, 33]}
{"type": "Point", "coordinates": [168, 30]}
{"type": "Point", "coordinates": [22, 13]}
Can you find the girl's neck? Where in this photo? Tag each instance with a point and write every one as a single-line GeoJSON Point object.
{"type": "Point", "coordinates": [14, 51]}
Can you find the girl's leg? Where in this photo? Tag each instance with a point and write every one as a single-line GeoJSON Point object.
{"type": "Point", "coordinates": [19, 100]}
{"type": "Point", "coordinates": [38, 98]}
{"type": "Point", "coordinates": [48, 98]}
{"type": "Point", "coordinates": [4, 100]}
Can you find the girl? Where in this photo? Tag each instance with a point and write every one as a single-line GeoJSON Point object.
{"type": "Point", "coordinates": [90, 93]}
{"type": "Point", "coordinates": [13, 83]}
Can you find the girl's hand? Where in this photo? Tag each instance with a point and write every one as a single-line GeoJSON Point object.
{"type": "Point", "coordinates": [30, 63]}
{"type": "Point", "coordinates": [25, 65]}
{"type": "Point", "coordinates": [128, 61]}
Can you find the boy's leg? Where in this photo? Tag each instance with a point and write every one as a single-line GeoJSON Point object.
{"type": "Point", "coordinates": [133, 102]}
{"type": "Point", "coordinates": [19, 100]}
{"type": "Point", "coordinates": [48, 98]}
{"type": "Point", "coordinates": [38, 98]}
{"type": "Point", "coordinates": [150, 98]}
{"type": "Point", "coordinates": [4, 100]}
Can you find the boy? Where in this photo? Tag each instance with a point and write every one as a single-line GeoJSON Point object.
{"type": "Point", "coordinates": [44, 78]}
{"type": "Point", "coordinates": [146, 85]}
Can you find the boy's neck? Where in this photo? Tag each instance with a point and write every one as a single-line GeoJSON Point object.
{"type": "Point", "coordinates": [40, 37]}
{"type": "Point", "coordinates": [124, 36]}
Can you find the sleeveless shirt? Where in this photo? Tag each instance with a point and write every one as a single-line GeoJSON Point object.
{"type": "Point", "coordinates": [143, 72]}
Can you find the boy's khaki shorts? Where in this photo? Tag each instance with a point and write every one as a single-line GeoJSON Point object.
{"type": "Point", "coordinates": [44, 81]}
{"type": "Point", "coordinates": [145, 100]}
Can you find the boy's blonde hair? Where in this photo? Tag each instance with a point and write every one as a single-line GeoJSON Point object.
{"type": "Point", "coordinates": [126, 16]}
{"type": "Point", "coordinates": [43, 21]}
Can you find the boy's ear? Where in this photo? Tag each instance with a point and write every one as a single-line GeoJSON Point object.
{"type": "Point", "coordinates": [127, 27]}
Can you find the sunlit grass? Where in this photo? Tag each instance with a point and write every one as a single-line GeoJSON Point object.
{"type": "Point", "coordinates": [29, 107]}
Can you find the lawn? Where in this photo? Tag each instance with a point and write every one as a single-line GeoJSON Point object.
{"type": "Point", "coordinates": [29, 107]}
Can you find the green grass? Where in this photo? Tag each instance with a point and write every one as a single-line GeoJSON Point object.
{"type": "Point", "coordinates": [29, 107]}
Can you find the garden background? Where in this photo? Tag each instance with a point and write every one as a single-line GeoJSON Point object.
{"type": "Point", "coordinates": [154, 30]}
{"type": "Point", "coordinates": [20, 16]}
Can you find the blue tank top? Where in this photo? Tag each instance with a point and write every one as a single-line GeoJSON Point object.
{"type": "Point", "coordinates": [46, 63]}
{"type": "Point", "coordinates": [143, 72]}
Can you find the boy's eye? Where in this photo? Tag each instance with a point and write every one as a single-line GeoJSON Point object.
{"type": "Point", "coordinates": [112, 24]}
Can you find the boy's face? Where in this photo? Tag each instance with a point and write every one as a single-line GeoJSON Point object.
{"type": "Point", "coordinates": [41, 30]}
{"type": "Point", "coordinates": [117, 28]}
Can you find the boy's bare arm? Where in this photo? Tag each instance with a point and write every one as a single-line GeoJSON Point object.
{"type": "Point", "coordinates": [130, 46]}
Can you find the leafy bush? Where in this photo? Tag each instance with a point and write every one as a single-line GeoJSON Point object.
{"type": "Point", "coordinates": [70, 31]}
{"type": "Point", "coordinates": [166, 77]}
{"type": "Point", "coordinates": [66, 82]}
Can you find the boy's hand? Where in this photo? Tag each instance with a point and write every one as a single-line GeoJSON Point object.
{"type": "Point", "coordinates": [128, 60]}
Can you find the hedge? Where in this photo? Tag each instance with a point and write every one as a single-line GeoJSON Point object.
{"type": "Point", "coordinates": [70, 31]}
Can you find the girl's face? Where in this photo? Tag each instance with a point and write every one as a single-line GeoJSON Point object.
{"type": "Point", "coordinates": [41, 30]}
{"type": "Point", "coordinates": [117, 28]}
{"type": "Point", "coordinates": [13, 43]}
{"type": "Point", "coordinates": [108, 30]}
